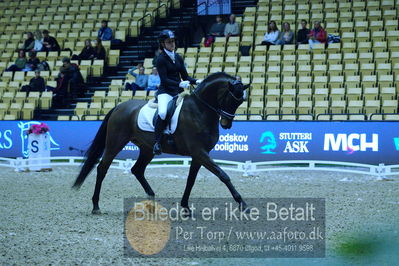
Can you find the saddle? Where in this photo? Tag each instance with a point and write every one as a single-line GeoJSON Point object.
{"type": "Point", "coordinates": [149, 113]}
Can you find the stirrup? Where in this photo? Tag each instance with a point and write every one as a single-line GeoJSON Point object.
{"type": "Point", "coordinates": [157, 149]}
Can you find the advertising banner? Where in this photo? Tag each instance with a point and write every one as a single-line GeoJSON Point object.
{"type": "Point", "coordinates": [257, 141]}
{"type": "Point", "coordinates": [213, 7]}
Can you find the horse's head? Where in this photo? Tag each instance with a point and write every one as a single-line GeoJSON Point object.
{"type": "Point", "coordinates": [230, 100]}
{"type": "Point", "coordinates": [223, 94]}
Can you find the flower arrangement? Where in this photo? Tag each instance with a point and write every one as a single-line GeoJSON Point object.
{"type": "Point", "coordinates": [38, 129]}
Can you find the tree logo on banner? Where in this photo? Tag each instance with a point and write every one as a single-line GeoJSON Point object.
{"type": "Point", "coordinates": [269, 140]}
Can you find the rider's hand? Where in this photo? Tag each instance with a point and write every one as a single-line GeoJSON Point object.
{"type": "Point", "coordinates": [184, 84]}
{"type": "Point", "coordinates": [198, 81]}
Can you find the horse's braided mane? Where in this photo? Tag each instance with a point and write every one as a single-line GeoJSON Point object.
{"type": "Point", "coordinates": [213, 77]}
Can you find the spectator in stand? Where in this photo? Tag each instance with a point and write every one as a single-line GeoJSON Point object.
{"type": "Point", "coordinates": [232, 28]}
{"type": "Point", "coordinates": [287, 35]}
{"type": "Point", "coordinates": [104, 33]}
{"type": "Point", "coordinates": [271, 35]}
{"type": "Point", "coordinates": [153, 80]}
{"type": "Point", "coordinates": [69, 73]}
{"type": "Point", "coordinates": [38, 47]}
{"type": "Point", "coordinates": [141, 79]}
{"type": "Point", "coordinates": [217, 29]}
{"type": "Point", "coordinates": [29, 42]}
{"type": "Point", "coordinates": [87, 52]}
{"type": "Point", "coordinates": [32, 62]}
{"type": "Point", "coordinates": [99, 50]}
{"type": "Point", "coordinates": [303, 34]}
{"type": "Point", "coordinates": [19, 62]}
{"type": "Point", "coordinates": [317, 35]}
{"type": "Point", "coordinates": [37, 83]}
{"type": "Point", "coordinates": [50, 43]}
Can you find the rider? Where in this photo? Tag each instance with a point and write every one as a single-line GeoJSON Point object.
{"type": "Point", "coordinates": [171, 71]}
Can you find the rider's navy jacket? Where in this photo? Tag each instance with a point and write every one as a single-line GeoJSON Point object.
{"type": "Point", "coordinates": [171, 74]}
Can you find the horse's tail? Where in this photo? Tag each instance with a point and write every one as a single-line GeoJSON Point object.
{"type": "Point", "coordinates": [94, 152]}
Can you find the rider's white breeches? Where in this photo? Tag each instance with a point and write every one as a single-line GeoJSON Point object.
{"type": "Point", "coordinates": [163, 100]}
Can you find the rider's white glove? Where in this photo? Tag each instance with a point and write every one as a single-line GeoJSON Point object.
{"type": "Point", "coordinates": [184, 84]}
{"type": "Point", "coordinates": [198, 81]}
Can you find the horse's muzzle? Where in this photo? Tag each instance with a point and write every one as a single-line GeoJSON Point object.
{"type": "Point", "coordinates": [226, 123]}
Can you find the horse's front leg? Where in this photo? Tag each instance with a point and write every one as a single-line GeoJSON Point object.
{"type": "Point", "coordinates": [194, 168]}
{"type": "Point", "coordinates": [204, 159]}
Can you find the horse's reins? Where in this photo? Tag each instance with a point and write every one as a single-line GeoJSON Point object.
{"type": "Point", "coordinates": [220, 111]}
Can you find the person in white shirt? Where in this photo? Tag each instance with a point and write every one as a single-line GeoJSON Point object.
{"type": "Point", "coordinates": [271, 35]}
{"type": "Point", "coordinates": [232, 28]}
{"type": "Point", "coordinates": [153, 80]}
{"type": "Point", "coordinates": [38, 47]}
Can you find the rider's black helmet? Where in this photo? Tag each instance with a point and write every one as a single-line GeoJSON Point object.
{"type": "Point", "coordinates": [165, 34]}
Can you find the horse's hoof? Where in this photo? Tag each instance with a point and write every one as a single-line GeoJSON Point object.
{"type": "Point", "coordinates": [186, 212]}
{"type": "Point", "coordinates": [244, 208]}
{"type": "Point", "coordinates": [96, 211]}
{"type": "Point", "coordinates": [151, 197]}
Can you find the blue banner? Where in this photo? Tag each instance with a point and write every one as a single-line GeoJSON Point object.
{"type": "Point", "coordinates": [257, 141]}
{"type": "Point", "coordinates": [213, 7]}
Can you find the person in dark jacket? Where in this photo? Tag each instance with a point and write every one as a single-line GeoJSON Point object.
{"type": "Point", "coordinates": [69, 73]}
{"type": "Point", "coordinates": [99, 50]}
{"type": "Point", "coordinates": [36, 83]}
{"type": "Point", "coordinates": [87, 52]}
{"type": "Point", "coordinates": [217, 29]}
{"type": "Point", "coordinates": [50, 43]}
{"type": "Point", "coordinates": [32, 62]}
{"type": "Point", "coordinates": [171, 71]}
{"type": "Point", "coordinates": [29, 43]}
{"type": "Point", "coordinates": [302, 36]}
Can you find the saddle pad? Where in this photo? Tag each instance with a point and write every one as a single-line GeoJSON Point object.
{"type": "Point", "coordinates": [146, 116]}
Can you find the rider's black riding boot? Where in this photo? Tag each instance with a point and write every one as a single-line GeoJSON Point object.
{"type": "Point", "coordinates": [159, 128]}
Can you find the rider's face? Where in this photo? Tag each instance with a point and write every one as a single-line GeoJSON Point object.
{"type": "Point", "coordinates": [170, 44]}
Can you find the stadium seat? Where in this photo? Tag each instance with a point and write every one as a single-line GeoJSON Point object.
{"type": "Point", "coordinates": [256, 108]}
{"type": "Point", "coordinates": [272, 107]}
{"type": "Point", "coordinates": [27, 111]}
{"type": "Point", "coordinates": [304, 94]}
{"type": "Point", "coordinates": [391, 117]}
{"type": "Point", "coordinates": [323, 117]}
{"type": "Point", "coordinates": [140, 95]}
{"type": "Point", "coordinates": [371, 93]}
{"type": "Point", "coordinates": [389, 106]}
{"type": "Point", "coordinates": [81, 109]}
{"type": "Point", "coordinates": [357, 117]}
{"type": "Point", "coordinates": [372, 106]}
{"type": "Point", "coordinates": [355, 106]}
{"type": "Point", "coordinates": [116, 85]}
{"type": "Point", "coordinates": [94, 108]}
{"type": "Point", "coordinates": [339, 117]}
{"type": "Point", "coordinates": [107, 107]}
{"type": "Point", "coordinates": [388, 93]}
{"type": "Point", "coordinates": [272, 95]}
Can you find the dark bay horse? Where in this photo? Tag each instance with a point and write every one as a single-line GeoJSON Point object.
{"type": "Point", "coordinates": [216, 98]}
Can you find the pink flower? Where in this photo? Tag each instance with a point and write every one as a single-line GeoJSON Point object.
{"type": "Point", "coordinates": [38, 129]}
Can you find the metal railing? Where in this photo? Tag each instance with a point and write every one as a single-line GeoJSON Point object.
{"type": "Point", "coordinates": [247, 168]}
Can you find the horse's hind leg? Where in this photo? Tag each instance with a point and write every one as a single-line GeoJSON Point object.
{"type": "Point", "coordinates": [139, 167]}
{"type": "Point", "coordinates": [113, 147]}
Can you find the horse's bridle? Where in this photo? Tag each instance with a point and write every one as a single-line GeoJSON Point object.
{"type": "Point", "coordinates": [220, 111]}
